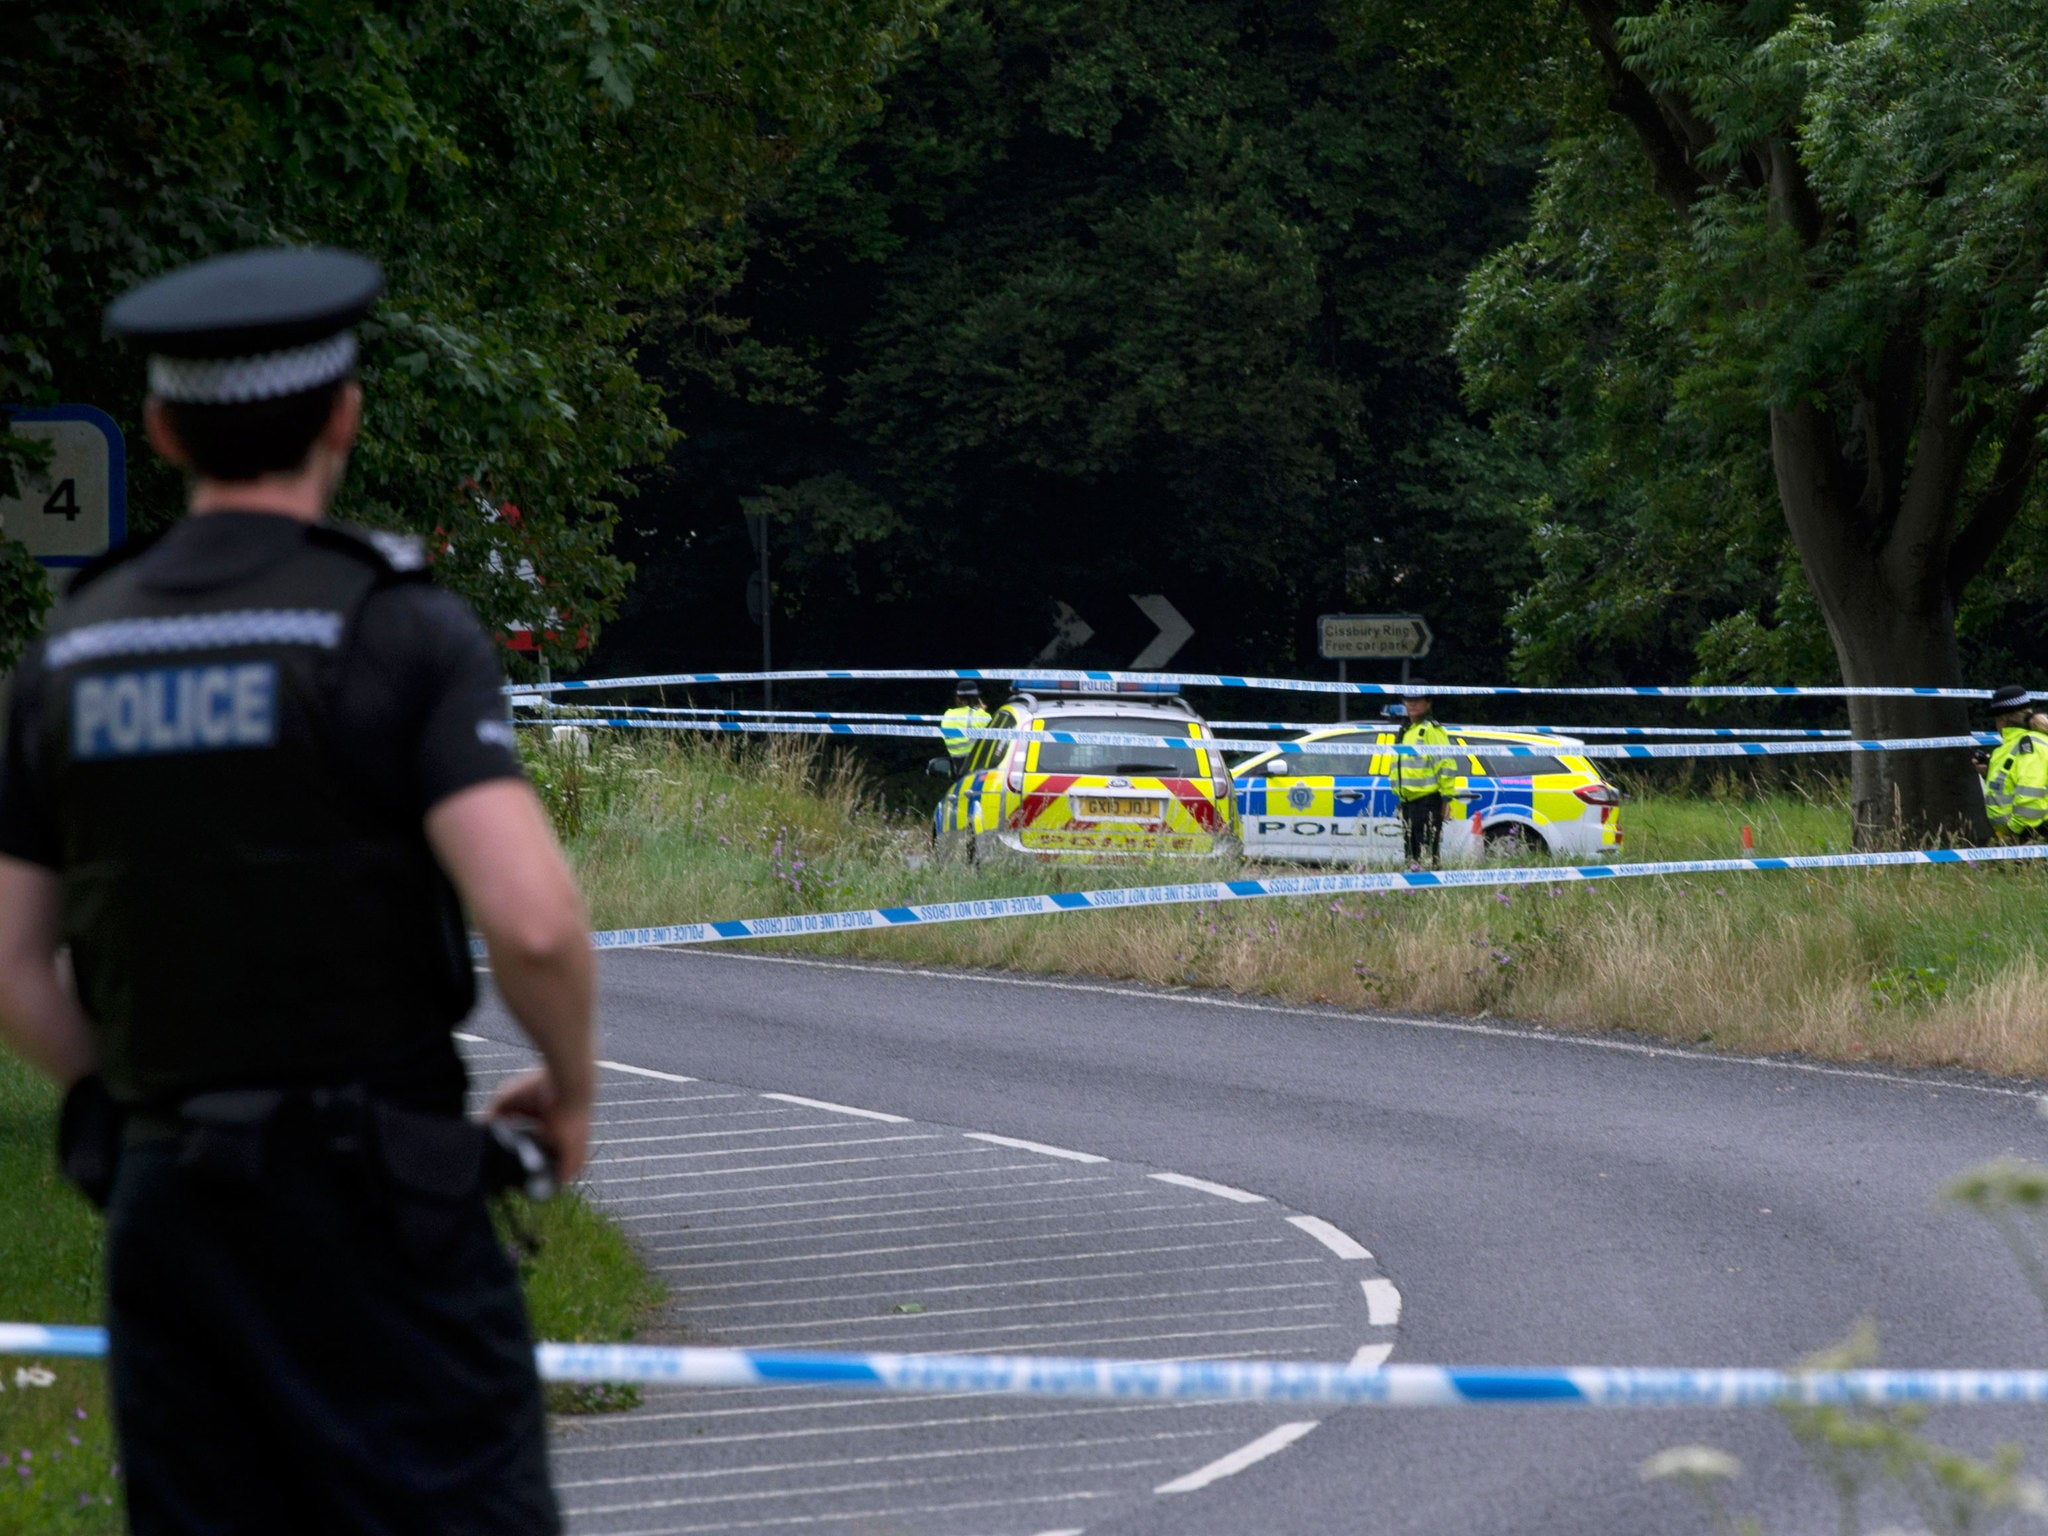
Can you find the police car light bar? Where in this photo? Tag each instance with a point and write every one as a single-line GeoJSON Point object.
{"type": "Point", "coordinates": [1089, 685]}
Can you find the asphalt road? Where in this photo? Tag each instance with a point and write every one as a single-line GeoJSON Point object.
{"type": "Point", "coordinates": [1537, 1200]}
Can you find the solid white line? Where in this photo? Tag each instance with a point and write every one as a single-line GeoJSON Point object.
{"type": "Point", "coordinates": [998, 1285]}
{"type": "Point", "coordinates": [1271, 1441]}
{"type": "Point", "coordinates": [1079, 1301]}
{"type": "Point", "coordinates": [1033, 1146]}
{"type": "Point", "coordinates": [1371, 1357]}
{"type": "Point", "coordinates": [816, 1162]}
{"type": "Point", "coordinates": [608, 1102]}
{"type": "Point", "coordinates": [932, 1269]}
{"type": "Point", "coordinates": [905, 1337]}
{"type": "Point", "coordinates": [1382, 1303]}
{"type": "Point", "coordinates": [1530, 1036]}
{"type": "Point", "coordinates": [782, 1128]}
{"type": "Point", "coordinates": [838, 1109]}
{"type": "Point", "coordinates": [468, 1039]}
{"type": "Point", "coordinates": [1339, 1242]}
{"type": "Point", "coordinates": [1070, 1531]}
{"type": "Point", "coordinates": [666, 1077]}
{"type": "Point", "coordinates": [1243, 1196]}
{"type": "Point", "coordinates": [750, 1207]}
{"type": "Point", "coordinates": [876, 1178]}
{"type": "Point", "coordinates": [759, 1151]}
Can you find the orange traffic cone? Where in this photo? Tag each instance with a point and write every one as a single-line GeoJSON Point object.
{"type": "Point", "coordinates": [1748, 839]}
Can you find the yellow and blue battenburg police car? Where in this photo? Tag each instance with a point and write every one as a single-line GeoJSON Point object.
{"type": "Point", "coordinates": [1044, 798]}
{"type": "Point", "coordinates": [1301, 802]}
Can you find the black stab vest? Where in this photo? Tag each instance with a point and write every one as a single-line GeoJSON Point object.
{"type": "Point", "coordinates": [240, 911]}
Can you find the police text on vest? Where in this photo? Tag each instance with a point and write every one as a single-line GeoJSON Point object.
{"type": "Point", "coordinates": [174, 709]}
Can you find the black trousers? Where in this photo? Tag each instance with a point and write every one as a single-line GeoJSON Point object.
{"type": "Point", "coordinates": [1422, 828]}
{"type": "Point", "coordinates": [295, 1350]}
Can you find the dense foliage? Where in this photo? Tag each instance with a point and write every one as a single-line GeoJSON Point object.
{"type": "Point", "coordinates": [1779, 325]}
{"type": "Point", "coordinates": [534, 174]}
{"type": "Point", "coordinates": [1139, 296]}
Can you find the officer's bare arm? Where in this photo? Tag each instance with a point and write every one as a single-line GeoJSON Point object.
{"type": "Point", "coordinates": [38, 1015]}
{"type": "Point", "coordinates": [495, 842]}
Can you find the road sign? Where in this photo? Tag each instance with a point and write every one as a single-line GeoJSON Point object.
{"type": "Point", "coordinates": [77, 507]}
{"type": "Point", "coordinates": [1373, 636]}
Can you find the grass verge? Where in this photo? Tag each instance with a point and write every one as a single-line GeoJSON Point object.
{"type": "Point", "coordinates": [1921, 966]}
{"type": "Point", "coordinates": [584, 1285]}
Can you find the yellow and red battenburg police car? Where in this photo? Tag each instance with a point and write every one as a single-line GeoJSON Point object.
{"type": "Point", "coordinates": [1053, 799]}
{"type": "Point", "coordinates": [1298, 803]}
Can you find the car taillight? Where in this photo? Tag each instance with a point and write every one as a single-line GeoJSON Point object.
{"type": "Point", "coordinates": [1598, 794]}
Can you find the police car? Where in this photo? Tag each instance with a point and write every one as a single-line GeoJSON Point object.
{"type": "Point", "coordinates": [1297, 802]}
{"type": "Point", "coordinates": [1050, 799]}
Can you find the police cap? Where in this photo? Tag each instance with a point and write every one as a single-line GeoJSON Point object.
{"type": "Point", "coordinates": [1415, 688]}
{"type": "Point", "coordinates": [967, 688]}
{"type": "Point", "coordinates": [2010, 698]}
{"type": "Point", "coordinates": [253, 325]}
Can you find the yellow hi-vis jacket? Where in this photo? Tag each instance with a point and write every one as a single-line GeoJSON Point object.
{"type": "Point", "coordinates": [2016, 788]}
{"type": "Point", "coordinates": [1415, 777]}
{"type": "Point", "coordinates": [970, 717]}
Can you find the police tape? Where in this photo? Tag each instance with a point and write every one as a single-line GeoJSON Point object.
{"type": "Point", "coordinates": [1111, 683]}
{"type": "Point", "coordinates": [1619, 751]}
{"type": "Point", "coordinates": [1200, 892]}
{"type": "Point", "coordinates": [561, 714]}
{"type": "Point", "coordinates": [1218, 1381]}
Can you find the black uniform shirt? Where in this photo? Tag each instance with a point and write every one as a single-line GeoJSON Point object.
{"type": "Point", "coordinates": [419, 712]}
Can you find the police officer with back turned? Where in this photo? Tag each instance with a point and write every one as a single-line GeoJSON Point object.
{"type": "Point", "coordinates": [968, 714]}
{"type": "Point", "coordinates": [255, 771]}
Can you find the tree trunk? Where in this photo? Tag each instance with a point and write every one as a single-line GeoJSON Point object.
{"type": "Point", "coordinates": [1892, 619]}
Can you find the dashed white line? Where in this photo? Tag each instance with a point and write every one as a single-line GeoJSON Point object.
{"type": "Point", "coordinates": [1336, 1239]}
{"type": "Point", "coordinates": [1382, 1303]}
{"type": "Point", "coordinates": [1242, 1196]}
{"type": "Point", "coordinates": [838, 1109]}
{"type": "Point", "coordinates": [1245, 1455]}
{"type": "Point", "coordinates": [1371, 1357]}
{"type": "Point", "coordinates": [666, 1077]}
{"type": "Point", "coordinates": [1033, 1146]}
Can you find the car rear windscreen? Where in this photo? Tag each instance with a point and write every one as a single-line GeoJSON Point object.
{"type": "Point", "coordinates": [1519, 767]}
{"type": "Point", "coordinates": [1171, 762]}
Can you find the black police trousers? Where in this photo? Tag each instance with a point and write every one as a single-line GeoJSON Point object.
{"type": "Point", "coordinates": [295, 1351]}
{"type": "Point", "coordinates": [1422, 828]}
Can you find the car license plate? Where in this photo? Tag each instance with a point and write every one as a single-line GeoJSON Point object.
{"type": "Point", "coordinates": [1117, 808]}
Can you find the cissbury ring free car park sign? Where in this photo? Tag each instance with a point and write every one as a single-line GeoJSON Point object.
{"type": "Point", "coordinates": [76, 506]}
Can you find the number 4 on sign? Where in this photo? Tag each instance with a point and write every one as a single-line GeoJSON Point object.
{"type": "Point", "coordinates": [63, 502]}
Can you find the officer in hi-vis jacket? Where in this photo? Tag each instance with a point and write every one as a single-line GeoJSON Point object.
{"type": "Point", "coordinates": [255, 772]}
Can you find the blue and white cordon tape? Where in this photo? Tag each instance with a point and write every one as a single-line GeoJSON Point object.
{"type": "Point", "coordinates": [1194, 893]}
{"type": "Point", "coordinates": [1604, 750]}
{"type": "Point", "coordinates": [564, 714]}
{"type": "Point", "coordinates": [1112, 682]}
{"type": "Point", "coordinates": [1217, 1381]}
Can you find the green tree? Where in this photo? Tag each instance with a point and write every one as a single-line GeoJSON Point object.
{"type": "Point", "coordinates": [536, 175]}
{"type": "Point", "coordinates": [1136, 296]}
{"type": "Point", "coordinates": [1785, 253]}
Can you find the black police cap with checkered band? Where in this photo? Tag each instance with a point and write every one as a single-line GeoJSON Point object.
{"type": "Point", "coordinates": [254, 325]}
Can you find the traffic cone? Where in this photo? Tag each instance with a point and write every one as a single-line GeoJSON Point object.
{"type": "Point", "coordinates": [1748, 839]}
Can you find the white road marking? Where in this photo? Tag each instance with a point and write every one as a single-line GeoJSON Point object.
{"type": "Point", "coordinates": [932, 1269]}
{"type": "Point", "coordinates": [1243, 1196]}
{"type": "Point", "coordinates": [1069, 1531]}
{"type": "Point", "coordinates": [1371, 1357]}
{"type": "Point", "coordinates": [468, 1039]}
{"type": "Point", "coordinates": [949, 1453]}
{"type": "Point", "coordinates": [666, 1077]}
{"type": "Point", "coordinates": [1272, 1440]}
{"type": "Point", "coordinates": [874, 1514]}
{"type": "Point", "coordinates": [795, 1146]}
{"type": "Point", "coordinates": [1079, 1301]}
{"type": "Point", "coordinates": [905, 1336]}
{"type": "Point", "coordinates": [1413, 1021]}
{"type": "Point", "coordinates": [882, 1194]}
{"type": "Point", "coordinates": [815, 1162]}
{"type": "Point", "coordinates": [840, 1254]}
{"type": "Point", "coordinates": [840, 1109]}
{"type": "Point", "coordinates": [675, 1098]}
{"type": "Point", "coordinates": [1002, 1285]}
{"type": "Point", "coordinates": [697, 1499]}
{"type": "Point", "coordinates": [865, 1178]}
{"type": "Point", "coordinates": [730, 1131]}
{"type": "Point", "coordinates": [1033, 1146]}
{"type": "Point", "coordinates": [1338, 1241]}
{"type": "Point", "coordinates": [1382, 1303]}
{"type": "Point", "coordinates": [698, 1437]}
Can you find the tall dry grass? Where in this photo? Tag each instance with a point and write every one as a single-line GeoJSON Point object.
{"type": "Point", "coordinates": [1926, 966]}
